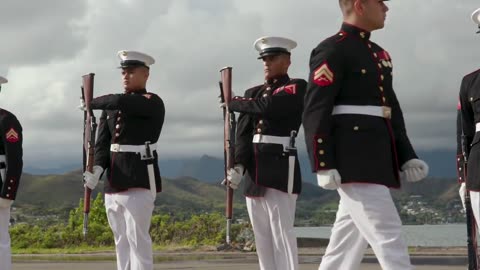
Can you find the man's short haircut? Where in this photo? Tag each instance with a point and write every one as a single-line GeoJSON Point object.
{"type": "Point", "coordinates": [347, 6]}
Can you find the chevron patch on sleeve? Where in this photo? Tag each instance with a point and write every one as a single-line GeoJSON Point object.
{"type": "Point", "coordinates": [12, 136]}
{"type": "Point", "coordinates": [323, 75]}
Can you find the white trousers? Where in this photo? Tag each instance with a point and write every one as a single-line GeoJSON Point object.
{"type": "Point", "coordinates": [129, 214]}
{"type": "Point", "coordinates": [272, 218]}
{"type": "Point", "coordinates": [5, 252]}
{"type": "Point", "coordinates": [366, 215]}
{"type": "Point", "coordinates": [475, 202]}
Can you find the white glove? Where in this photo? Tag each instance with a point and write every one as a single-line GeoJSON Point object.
{"type": "Point", "coordinates": [222, 103]}
{"type": "Point", "coordinates": [5, 203]}
{"type": "Point", "coordinates": [82, 106]}
{"type": "Point", "coordinates": [235, 175]}
{"type": "Point", "coordinates": [91, 179]}
{"type": "Point", "coordinates": [414, 170]}
{"type": "Point", "coordinates": [329, 179]}
{"type": "Point", "coordinates": [461, 192]}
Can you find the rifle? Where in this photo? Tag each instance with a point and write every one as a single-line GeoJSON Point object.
{"type": "Point", "coordinates": [292, 154]}
{"type": "Point", "coordinates": [471, 223]}
{"type": "Point", "coordinates": [89, 131]}
{"type": "Point", "coordinates": [229, 141]}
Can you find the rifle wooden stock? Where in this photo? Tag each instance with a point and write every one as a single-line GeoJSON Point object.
{"type": "Point", "coordinates": [88, 142]}
{"type": "Point", "coordinates": [229, 140]}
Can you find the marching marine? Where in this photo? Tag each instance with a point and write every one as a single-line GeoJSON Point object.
{"type": "Point", "coordinates": [357, 141]}
{"type": "Point", "coordinates": [469, 127]}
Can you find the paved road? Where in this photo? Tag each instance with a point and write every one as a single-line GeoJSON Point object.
{"type": "Point", "coordinates": [215, 261]}
{"type": "Point", "coordinates": [221, 262]}
{"type": "Point", "coordinates": [201, 265]}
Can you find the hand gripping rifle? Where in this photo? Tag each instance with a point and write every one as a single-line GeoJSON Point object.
{"type": "Point", "coordinates": [89, 131]}
{"type": "Point", "coordinates": [229, 140]}
{"type": "Point", "coordinates": [471, 224]}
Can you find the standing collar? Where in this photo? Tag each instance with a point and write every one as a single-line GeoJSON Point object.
{"type": "Point", "coordinates": [137, 92]}
{"type": "Point", "coordinates": [355, 31]}
{"type": "Point", "coordinates": [281, 79]}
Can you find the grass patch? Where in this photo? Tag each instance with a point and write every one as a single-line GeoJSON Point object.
{"type": "Point", "coordinates": [73, 250]}
{"type": "Point", "coordinates": [96, 250]}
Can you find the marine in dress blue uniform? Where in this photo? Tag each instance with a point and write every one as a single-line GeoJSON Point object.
{"type": "Point", "coordinates": [268, 114]}
{"type": "Point", "coordinates": [11, 165]}
{"type": "Point", "coordinates": [468, 124]}
{"type": "Point", "coordinates": [357, 140]}
{"type": "Point", "coordinates": [129, 122]}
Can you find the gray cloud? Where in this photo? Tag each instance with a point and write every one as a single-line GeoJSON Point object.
{"type": "Point", "coordinates": [40, 31]}
{"type": "Point", "coordinates": [48, 45]}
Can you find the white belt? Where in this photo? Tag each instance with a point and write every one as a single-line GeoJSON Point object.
{"type": "Point", "coordinates": [477, 127]}
{"type": "Point", "coordinates": [3, 158]}
{"type": "Point", "coordinates": [380, 111]}
{"type": "Point", "coordinates": [115, 147]}
{"type": "Point", "coordinates": [259, 138]}
{"type": "Point", "coordinates": [139, 149]}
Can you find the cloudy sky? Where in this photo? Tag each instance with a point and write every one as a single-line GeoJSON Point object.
{"type": "Point", "coordinates": [47, 46]}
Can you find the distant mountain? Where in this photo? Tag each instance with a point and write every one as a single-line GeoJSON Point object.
{"type": "Point", "coordinates": [206, 168]}
{"type": "Point", "coordinates": [210, 169]}
{"type": "Point", "coordinates": [436, 189]}
{"type": "Point", "coordinates": [42, 194]}
{"type": "Point", "coordinates": [171, 168]}
{"type": "Point", "coordinates": [442, 162]}
{"type": "Point", "coordinates": [58, 169]}
{"type": "Point", "coordinates": [65, 191]}
{"type": "Point", "coordinates": [52, 191]}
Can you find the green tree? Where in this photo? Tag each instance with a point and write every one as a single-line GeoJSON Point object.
{"type": "Point", "coordinates": [192, 230]}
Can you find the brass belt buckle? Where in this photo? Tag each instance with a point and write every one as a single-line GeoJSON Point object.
{"type": "Point", "coordinates": [387, 112]}
{"type": "Point", "coordinates": [115, 147]}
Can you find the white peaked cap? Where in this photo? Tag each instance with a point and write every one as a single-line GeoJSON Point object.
{"type": "Point", "coordinates": [476, 16]}
{"type": "Point", "coordinates": [134, 59]}
{"type": "Point", "coordinates": [274, 45]}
